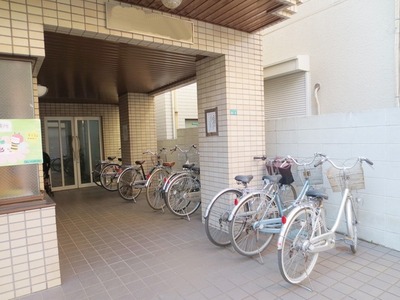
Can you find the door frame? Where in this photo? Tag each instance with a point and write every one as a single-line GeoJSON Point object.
{"type": "Point", "coordinates": [75, 151]}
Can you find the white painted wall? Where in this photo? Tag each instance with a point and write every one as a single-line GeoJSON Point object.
{"type": "Point", "coordinates": [351, 45]}
{"type": "Point", "coordinates": [374, 134]}
{"type": "Point", "coordinates": [172, 108]}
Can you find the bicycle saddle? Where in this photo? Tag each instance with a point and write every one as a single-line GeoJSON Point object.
{"type": "Point", "coordinates": [244, 178]}
{"type": "Point", "coordinates": [169, 164]}
{"type": "Point", "coordinates": [316, 194]}
{"type": "Point", "coordinates": [139, 162]}
{"type": "Point", "coordinates": [272, 178]}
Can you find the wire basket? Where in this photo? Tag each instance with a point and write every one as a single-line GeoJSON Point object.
{"type": "Point", "coordinates": [313, 174]}
{"type": "Point", "coordinates": [354, 176]}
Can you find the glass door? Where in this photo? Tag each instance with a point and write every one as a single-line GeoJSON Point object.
{"type": "Point", "coordinates": [60, 147]}
{"type": "Point", "coordinates": [74, 146]}
{"type": "Point", "coordinates": [88, 148]}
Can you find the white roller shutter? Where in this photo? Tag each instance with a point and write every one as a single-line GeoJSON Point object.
{"type": "Point", "coordinates": [286, 96]}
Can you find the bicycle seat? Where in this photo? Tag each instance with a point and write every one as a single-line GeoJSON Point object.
{"type": "Point", "coordinates": [272, 178]}
{"type": "Point", "coordinates": [111, 157]}
{"type": "Point", "coordinates": [316, 194]}
{"type": "Point", "coordinates": [169, 164]}
{"type": "Point", "coordinates": [195, 169]}
{"type": "Point", "coordinates": [244, 178]}
{"type": "Point", "coordinates": [139, 162]}
{"type": "Point", "coordinates": [188, 166]}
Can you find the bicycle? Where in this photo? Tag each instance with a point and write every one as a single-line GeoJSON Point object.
{"type": "Point", "coordinates": [258, 216]}
{"type": "Point", "coordinates": [133, 180]}
{"type": "Point", "coordinates": [181, 191]}
{"type": "Point", "coordinates": [219, 208]}
{"type": "Point", "coordinates": [96, 173]}
{"type": "Point", "coordinates": [305, 234]}
{"type": "Point", "coordinates": [109, 175]}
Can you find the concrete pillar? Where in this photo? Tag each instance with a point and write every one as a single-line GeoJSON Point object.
{"type": "Point", "coordinates": [138, 127]}
{"type": "Point", "coordinates": [234, 87]}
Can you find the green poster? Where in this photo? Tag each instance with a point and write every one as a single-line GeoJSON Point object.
{"type": "Point", "coordinates": [20, 142]}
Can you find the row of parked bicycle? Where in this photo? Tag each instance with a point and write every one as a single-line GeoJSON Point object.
{"type": "Point", "coordinates": [247, 218]}
{"type": "Point", "coordinates": [178, 190]}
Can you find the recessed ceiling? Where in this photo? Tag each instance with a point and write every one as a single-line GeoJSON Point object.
{"type": "Point", "coordinates": [85, 70]}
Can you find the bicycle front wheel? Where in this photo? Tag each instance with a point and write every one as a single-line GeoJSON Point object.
{"type": "Point", "coordinates": [295, 261]}
{"type": "Point", "coordinates": [154, 189]}
{"type": "Point", "coordinates": [126, 184]}
{"type": "Point", "coordinates": [287, 194]}
{"type": "Point", "coordinates": [217, 213]}
{"type": "Point", "coordinates": [183, 197]}
{"type": "Point", "coordinates": [248, 229]}
{"type": "Point", "coordinates": [351, 223]}
{"type": "Point", "coordinates": [109, 176]}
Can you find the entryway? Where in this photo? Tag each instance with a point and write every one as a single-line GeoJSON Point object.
{"type": "Point", "coordinates": [75, 146]}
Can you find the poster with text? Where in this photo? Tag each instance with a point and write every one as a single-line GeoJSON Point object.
{"type": "Point", "coordinates": [20, 142]}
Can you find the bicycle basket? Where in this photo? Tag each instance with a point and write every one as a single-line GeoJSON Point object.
{"type": "Point", "coordinates": [286, 172]}
{"type": "Point", "coordinates": [155, 159]}
{"type": "Point", "coordinates": [271, 167]}
{"type": "Point", "coordinates": [276, 167]}
{"type": "Point", "coordinates": [355, 177]}
{"type": "Point", "coordinates": [313, 174]}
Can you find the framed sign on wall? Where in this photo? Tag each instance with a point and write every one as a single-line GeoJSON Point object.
{"type": "Point", "coordinates": [211, 117]}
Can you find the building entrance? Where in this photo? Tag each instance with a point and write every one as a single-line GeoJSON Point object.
{"type": "Point", "coordinates": [74, 146]}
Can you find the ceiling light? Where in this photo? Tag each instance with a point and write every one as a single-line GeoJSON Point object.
{"type": "Point", "coordinates": [171, 4]}
{"type": "Point", "coordinates": [42, 90]}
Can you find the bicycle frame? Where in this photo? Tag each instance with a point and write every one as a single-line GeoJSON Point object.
{"type": "Point", "coordinates": [271, 193]}
{"type": "Point", "coordinates": [274, 225]}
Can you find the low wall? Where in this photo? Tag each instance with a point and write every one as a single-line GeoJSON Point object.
{"type": "Point", "coordinates": [374, 134]}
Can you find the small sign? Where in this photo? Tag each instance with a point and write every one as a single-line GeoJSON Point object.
{"type": "Point", "coordinates": [233, 112]}
{"type": "Point", "coordinates": [211, 116]}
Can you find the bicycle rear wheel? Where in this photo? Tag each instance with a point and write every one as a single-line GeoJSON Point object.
{"type": "Point", "coordinates": [154, 189]}
{"type": "Point", "coordinates": [246, 237]}
{"type": "Point", "coordinates": [217, 213]}
{"type": "Point", "coordinates": [96, 173]}
{"type": "Point", "coordinates": [351, 223]}
{"type": "Point", "coordinates": [294, 259]}
{"type": "Point", "coordinates": [126, 184]}
{"type": "Point", "coordinates": [109, 176]}
{"type": "Point", "coordinates": [183, 197]}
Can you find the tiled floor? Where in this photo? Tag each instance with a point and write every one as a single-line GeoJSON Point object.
{"type": "Point", "coordinates": [112, 249]}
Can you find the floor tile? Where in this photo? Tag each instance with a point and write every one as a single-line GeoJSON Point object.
{"type": "Point", "coordinates": [114, 250]}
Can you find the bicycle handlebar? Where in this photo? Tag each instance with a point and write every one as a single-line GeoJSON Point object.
{"type": "Point", "coordinates": [289, 159]}
{"type": "Point", "coordinates": [295, 161]}
{"type": "Point", "coordinates": [343, 168]}
{"type": "Point", "coordinates": [181, 150]}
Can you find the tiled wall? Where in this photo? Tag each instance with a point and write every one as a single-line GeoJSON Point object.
{"type": "Point", "coordinates": [109, 118]}
{"type": "Point", "coordinates": [234, 86]}
{"type": "Point", "coordinates": [28, 252]}
{"type": "Point", "coordinates": [138, 127]}
{"type": "Point", "coordinates": [374, 134]}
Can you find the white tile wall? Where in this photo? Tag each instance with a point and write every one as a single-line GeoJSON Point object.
{"type": "Point", "coordinates": [230, 79]}
{"type": "Point", "coordinates": [373, 134]}
{"type": "Point", "coordinates": [24, 257]}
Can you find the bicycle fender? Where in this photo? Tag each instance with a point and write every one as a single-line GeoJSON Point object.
{"type": "Point", "coordinates": [235, 209]}
{"type": "Point", "coordinates": [284, 226]}
{"type": "Point", "coordinates": [172, 179]}
{"type": "Point", "coordinates": [216, 197]}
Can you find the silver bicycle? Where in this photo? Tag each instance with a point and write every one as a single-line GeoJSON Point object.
{"type": "Point", "coordinates": [220, 207]}
{"type": "Point", "coordinates": [258, 216]}
{"type": "Point", "coordinates": [305, 234]}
